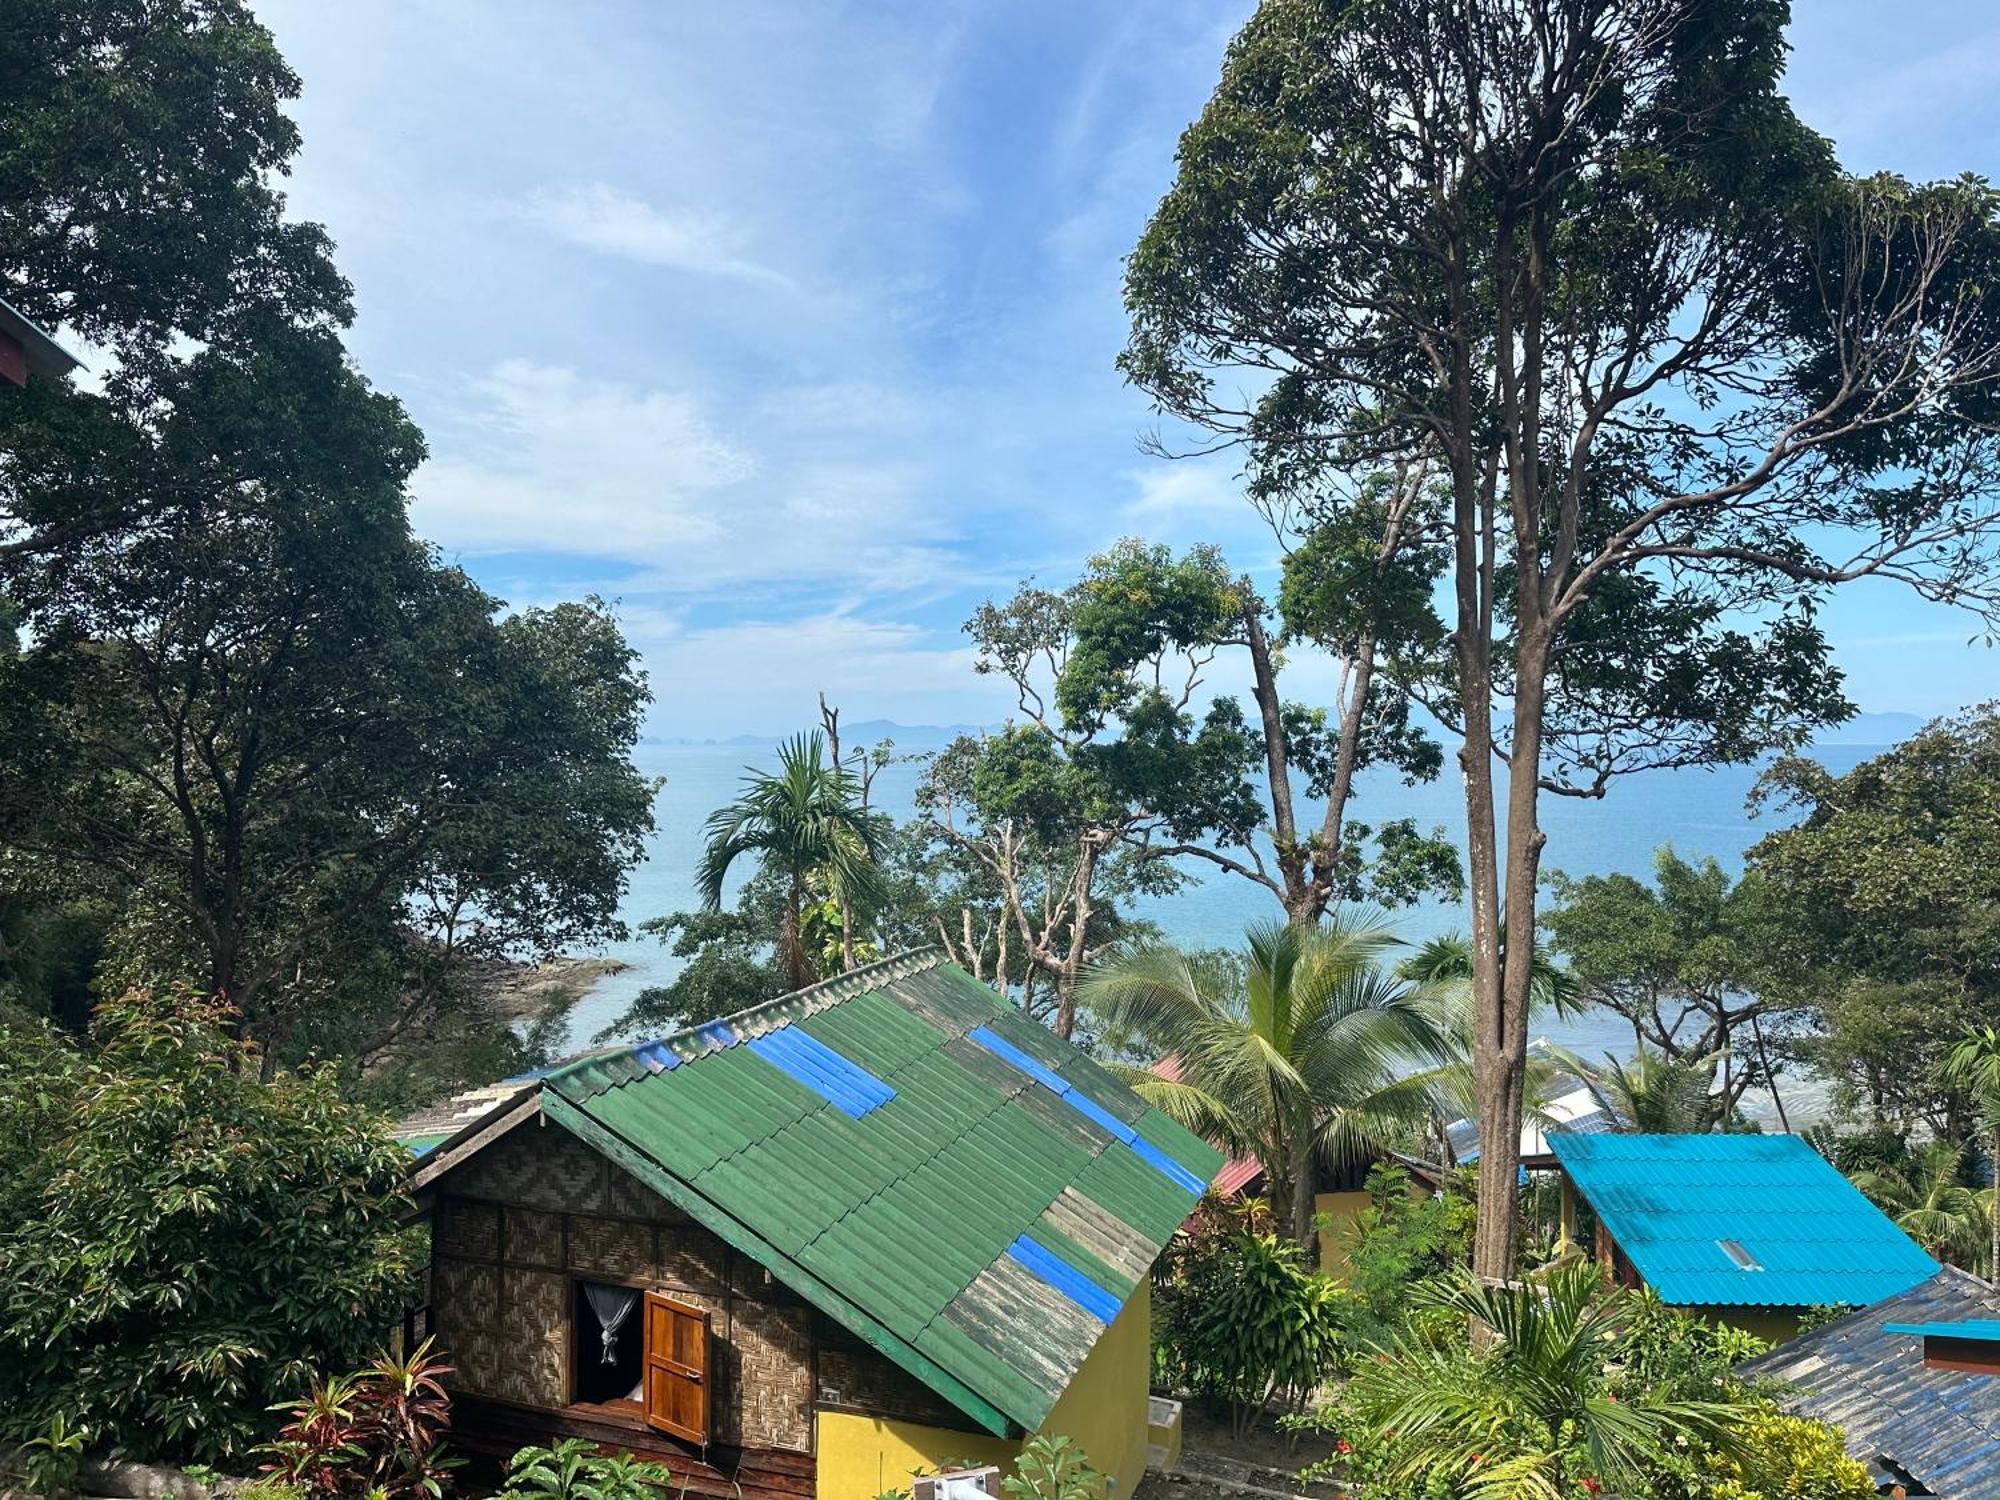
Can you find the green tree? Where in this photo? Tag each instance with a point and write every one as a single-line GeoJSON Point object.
{"type": "Point", "coordinates": [184, 1246]}
{"type": "Point", "coordinates": [249, 728]}
{"type": "Point", "coordinates": [806, 822]}
{"type": "Point", "coordinates": [1884, 901]}
{"type": "Point", "coordinates": [1676, 374]}
{"type": "Point", "coordinates": [1305, 1062]}
{"type": "Point", "coordinates": [1680, 962]}
{"type": "Point", "coordinates": [1928, 1194]}
{"type": "Point", "coordinates": [1974, 1064]}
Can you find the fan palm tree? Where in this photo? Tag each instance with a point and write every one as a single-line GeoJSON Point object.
{"type": "Point", "coordinates": [1931, 1202]}
{"type": "Point", "coordinates": [1529, 1412]}
{"type": "Point", "coordinates": [1650, 1094]}
{"type": "Point", "coordinates": [1302, 1054]}
{"type": "Point", "coordinates": [1974, 1065]}
{"type": "Point", "coordinates": [806, 821]}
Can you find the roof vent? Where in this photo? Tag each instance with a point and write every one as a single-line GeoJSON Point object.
{"type": "Point", "coordinates": [1743, 1259]}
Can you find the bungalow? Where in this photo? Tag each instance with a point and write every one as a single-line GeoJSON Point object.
{"type": "Point", "coordinates": [25, 349]}
{"type": "Point", "coordinates": [1750, 1230]}
{"type": "Point", "coordinates": [880, 1226]}
{"type": "Point", "coordinates": [1910, 1382]}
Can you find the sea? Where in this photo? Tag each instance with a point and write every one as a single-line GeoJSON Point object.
{"type": "Point", "coordinates": [1698, 811]}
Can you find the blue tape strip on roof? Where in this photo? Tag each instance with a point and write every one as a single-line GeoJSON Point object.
{"type": "Point", "coordinates": [1102, 1116]}
{"type": "Point", "coordinates": [1065, 1278]}
{"type": "Point", "coordinates": [658, 1056]}
{"type": "Point", "coordinates": [1000, 1047]}
{"type": "Point", "coordinates": [1144, 1149]}
{"type": "Point", "coordinates": [1147, 1151]}
{"type": "Point", "coordinates": [823, 1070]}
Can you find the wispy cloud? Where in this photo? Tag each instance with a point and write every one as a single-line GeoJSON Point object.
{"type": "Point", "coordinates": [599, 217]}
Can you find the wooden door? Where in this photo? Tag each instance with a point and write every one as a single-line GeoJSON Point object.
{"type": "Point", "coordinates": [677, 1367]}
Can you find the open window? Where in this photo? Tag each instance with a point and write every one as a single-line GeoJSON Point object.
{"type": "Point", "coordinates": [676, 1367]}
{"type": "Point", "coordinates": [609, 1358]}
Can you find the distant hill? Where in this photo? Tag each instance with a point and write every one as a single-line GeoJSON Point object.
{"type": "Point", "coordinates": [1863, 729]}
{"type": "Point", "coordinates": [862, 732]}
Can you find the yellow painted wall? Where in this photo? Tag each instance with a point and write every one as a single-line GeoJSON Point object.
{"type": "Point", "coordinates": [1334, 1213]}
{"type": "Point", "coordinates": [1104, 1409]}
{"type": "Point", "coordinates": [1773, 1327]}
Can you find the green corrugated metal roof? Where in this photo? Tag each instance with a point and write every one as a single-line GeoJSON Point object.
{"type": "Point", "coordinates": [975, 1227]}
{"type": "Point", "coordinates": [1803, 1235]}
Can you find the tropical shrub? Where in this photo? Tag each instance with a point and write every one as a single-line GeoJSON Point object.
{"type": "Point", "coordinates": [378, 1432]}
{"type": "Point", "coordinates": [1664, 1352]}
{"type": "Point", "coordinates": [1246, 1322]}
{"type": "Point", "coordinates": [1053, 1468]}
{"type": "Point", "coordinates": [574, 1470]}
{"type": "Point", "coordinates": [1400, 1240]}
{"type": "Point", "coordinates": [52, 1461]}
{"type": "Point", "coordinates": [183, 1246]}
{"type": "Point", "coordinates": [1533, 1409]}
{"type": "Point", "coordinates": [1786, 1458]}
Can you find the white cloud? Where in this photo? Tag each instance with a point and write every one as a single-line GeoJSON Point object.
{"type": "Point", "coordinates": [548, 461]}
{"type": "Point", "coordinates": [599, 217]}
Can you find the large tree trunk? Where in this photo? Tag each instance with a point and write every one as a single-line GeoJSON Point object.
{"type": "Point", "coordinates": [1305, 1197]}
{"type": "Point", "coordinates": [792, 938]}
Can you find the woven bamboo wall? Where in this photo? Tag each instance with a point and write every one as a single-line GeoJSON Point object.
{"type": "Point", "coordinates": [516, 1225]}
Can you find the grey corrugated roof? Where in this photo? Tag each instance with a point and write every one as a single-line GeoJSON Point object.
{"type": "Point", "coordinates": [1941, 1427]}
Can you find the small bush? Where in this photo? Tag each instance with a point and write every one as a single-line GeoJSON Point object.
{"type": "Point", "coordinates": [574, 1470]}
{"type": "Point", "coordinates": [1787, 1458]}
{"type": "Point", "coordinates": [378, 1432]}
{"type": "Point", "coordinates": [1053, 1468]}
{"type": "Point", "coordinates": [1245, 1322]}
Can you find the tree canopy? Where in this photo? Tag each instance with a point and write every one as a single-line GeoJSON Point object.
{"type": "Point", "coordinates": [1674, 373]}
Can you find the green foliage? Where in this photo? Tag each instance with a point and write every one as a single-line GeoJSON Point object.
{"type": "Point", "coordinates": [1663, 1351]}
{"type": "Point", "coordinates": [574, 1470]}
{"type": "Point", "coordinates": [1307, 1061]}
{"type": "Point", "coordinates": [1647, 1092]}
{"type": "Point", "coordinates": [53, 1459]}
{"type": "Point", "coordinates": [1244, 1321]}
{"type": "Point", "coordinates": [1932, 1196]}
{"type": "Point", "coordinates": [1886, 890]}
{"type": "Point", "coordinates": [808, 823]}
{"type": "Point", "coordinates": [1683, 961]}
{"type": "Point", "coordinates": [1535, 1410]}
{"type": "Point", "coordinates": [1399, 1241]}
{"type": "Point", "coordinates": [1779, 1457]}
{"type": "Point", "coordinates": [1052, 1467]}
{"type": "Point", "coordinates": [184, 1246]}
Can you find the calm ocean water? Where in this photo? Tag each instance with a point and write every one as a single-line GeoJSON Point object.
{"type": "Point", "coordinates": [1698, 812]}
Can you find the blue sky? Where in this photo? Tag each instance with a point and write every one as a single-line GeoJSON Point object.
{"type": "Point", "coordinates": [790, 326]}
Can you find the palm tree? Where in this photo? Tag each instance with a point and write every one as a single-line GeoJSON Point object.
{"type": "Point", "coordinates": [808, 823]}
{"type": "Point", "coordinates": [1442, 967]}
{"type": "Point", "coordinates": [1930, 1201]}
{"type": "Point", "coordinates": [1974, 1065]}
{"type": "Point", "coordinates": [1650, 1094]}
{"type": "Point", "coordinates": [1298, 1056]}
{"type": "Point", "coordinates": [1529, 1411]}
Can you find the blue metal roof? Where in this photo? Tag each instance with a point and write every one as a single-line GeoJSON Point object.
{"type": "Point", "coordinates": [1979, 1330]}
{"type": "Point", "coordinates": [1741, 1220]}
